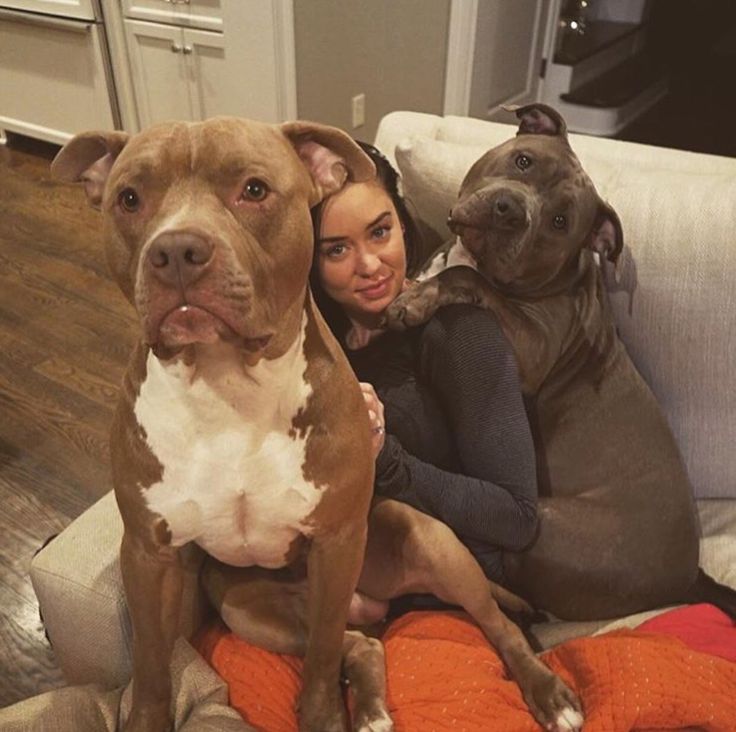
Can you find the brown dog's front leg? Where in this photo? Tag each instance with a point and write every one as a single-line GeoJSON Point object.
{"type": "Point", "coordinates": [333, 567]}
{"type": "Point", "coordinates": [153, 585]}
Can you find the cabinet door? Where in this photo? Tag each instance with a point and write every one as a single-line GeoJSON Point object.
{"type": "Point", "coordinates": [52, 78]}
{"type": "Point", "coordinates": [215, 89]}
{"type": "Point", "coordinates": [161, 81]}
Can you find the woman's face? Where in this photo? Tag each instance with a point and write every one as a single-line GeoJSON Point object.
{"type": "Point", "coordinates": [361, 255]}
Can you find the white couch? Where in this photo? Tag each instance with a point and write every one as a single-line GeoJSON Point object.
{"type": "Point", "coordinates": [676, 311]}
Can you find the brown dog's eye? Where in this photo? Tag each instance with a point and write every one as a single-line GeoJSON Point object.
{"type": "Point", "coordinates": [129, 200]}
{"type": "Point", "coordinates": [523, 162]}
{"type": "Point", "coordinates": [559, 222]}
{"type": "Point", "coordinates": [255, 190]}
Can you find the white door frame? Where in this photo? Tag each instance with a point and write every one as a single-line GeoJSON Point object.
{"type": "Point", "coordinates": [285, 51]}
{"type": "Point", "coordinates": [460, 53]}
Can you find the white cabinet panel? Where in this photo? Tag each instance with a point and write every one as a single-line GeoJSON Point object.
{"type": "Point", "coordinates": [160, 75]}
{"type": "Point", "coordinates": [215, 88]}
{"type": "Point", "coordinates": [180, 72]}
{"type": "Point", "coordinates": [83, 9]}
{"type": "Point", "coordinates": [52, 78]}
{"type": "Point", "coordinates": [193, 13]}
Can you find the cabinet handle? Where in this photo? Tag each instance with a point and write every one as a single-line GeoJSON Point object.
{"type": "Point", "coordinates": [176, 48]}
{"type": "Point", "coordinates": [177, 2]}
{"type": "Point", "coordinates": [187, 49]}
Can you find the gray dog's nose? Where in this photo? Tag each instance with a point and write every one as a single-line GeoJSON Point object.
{"type": "Point", "coordinates": [507, 211]}
{"type": "Point", "coordinates": [179, 258]}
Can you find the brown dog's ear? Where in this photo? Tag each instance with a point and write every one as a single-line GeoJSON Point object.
{"type": "Point", "coordinates": [538, 119]}
{"type": "Point", "coordinates": [89, 157]}
{"type": "Point", "coordinates": [607, 236]}
{"type": "Point", "coordinates": [330, 155]}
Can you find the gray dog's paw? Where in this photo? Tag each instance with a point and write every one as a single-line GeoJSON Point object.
{"type": "Point", "coordinates": [413, 307]}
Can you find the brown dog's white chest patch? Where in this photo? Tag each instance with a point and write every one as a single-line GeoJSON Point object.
{"type": "Point", "coordinates": [233, 478]}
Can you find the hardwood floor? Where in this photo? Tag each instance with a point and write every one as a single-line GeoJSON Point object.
{"type": "Point", "coordinates": [65, 332]}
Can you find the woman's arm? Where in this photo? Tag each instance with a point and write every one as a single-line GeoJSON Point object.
{"type": "Point", "coordinates": [466, 363]}
{"type": "Point", "coordinates": [475, 509]}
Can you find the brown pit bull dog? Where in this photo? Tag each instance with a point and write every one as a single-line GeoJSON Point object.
{"type": "Point", "coordinates": [617, 530]}
{"type": "Point", "coordinates": [241, 427]}
{"type": "Point", "coordinates": [228, 432]}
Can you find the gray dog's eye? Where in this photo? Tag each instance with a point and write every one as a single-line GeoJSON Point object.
{"type": "Point", "coordinates": [255, 190]}
{"type": "Point", "coordinates": [559, 222]}
{"type": "Point", "coordinates": [129, 200]}
{"type": "Point", "coordinates": [523, 162]}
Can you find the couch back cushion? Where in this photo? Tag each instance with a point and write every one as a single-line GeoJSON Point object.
{"type": "Point", "coordinates": [675, 305]}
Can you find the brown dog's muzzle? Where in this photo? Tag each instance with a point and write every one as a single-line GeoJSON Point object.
{"type": "Point", "coordinates": [179, 259]}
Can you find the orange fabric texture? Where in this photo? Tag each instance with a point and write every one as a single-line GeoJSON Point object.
{"type": "Point", "coordinates": [443, 675]}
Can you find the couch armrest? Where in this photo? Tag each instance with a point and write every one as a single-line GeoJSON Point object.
{"type": "Point", "coordinates": [77, 580]}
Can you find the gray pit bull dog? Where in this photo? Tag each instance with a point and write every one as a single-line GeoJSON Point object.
{"type": "Point", "coordinates": [617, 532]}
{"type": "Point", "coordinates": [241, 427]}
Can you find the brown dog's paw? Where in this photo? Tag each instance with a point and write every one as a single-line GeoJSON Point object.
{"type": "Point", "coordinates": [378, 721]}
{"type": "Point", "coordinates": [555, 706]}
{"type": "Point", "coordinates": [322, 714]}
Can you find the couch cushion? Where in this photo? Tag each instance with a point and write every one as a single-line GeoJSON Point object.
{"type": "Point", "coordinates": [674, 304]}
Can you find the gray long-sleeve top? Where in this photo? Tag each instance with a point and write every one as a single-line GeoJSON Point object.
{"type": "Point", "coordinates": [458, 444]}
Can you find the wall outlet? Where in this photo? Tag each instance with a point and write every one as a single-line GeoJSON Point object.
{"type": "Point", "coordinates": [358, 107]}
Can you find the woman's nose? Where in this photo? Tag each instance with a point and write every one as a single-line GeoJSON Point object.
{"type": "Point", "coordinates": [368, 263]}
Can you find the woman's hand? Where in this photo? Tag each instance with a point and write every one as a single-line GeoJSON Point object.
{"type": "Point", "coordinates": [375, 414]}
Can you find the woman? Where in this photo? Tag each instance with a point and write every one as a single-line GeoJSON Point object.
{"type": "Point", "coordinates": [457, 443]}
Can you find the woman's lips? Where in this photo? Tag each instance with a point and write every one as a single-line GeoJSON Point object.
{"type": "Point", "coordinates": [376, 291]}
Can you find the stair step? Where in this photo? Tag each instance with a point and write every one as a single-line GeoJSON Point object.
{"type": "Point", "coordinates": [619, 85]}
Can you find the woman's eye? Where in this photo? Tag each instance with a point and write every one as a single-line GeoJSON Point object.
{"type": "Point", "coordinates": [523, 162]}
{"type": "Point", "coordinates": [336, 250]}
{"type": "Point", "coordinates": [559, 222]}
{"type": "Point", "coordinates": [129, 200]}
{"type": "Point", "coordinates": [381, 232]}
{"type": "Point", "coordinates": [255, 190]}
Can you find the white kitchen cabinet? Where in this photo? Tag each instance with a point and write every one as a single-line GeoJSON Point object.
{"type": "Point", "coordinates": [79, 9]}
{"type": "Point", "coordinates": [54, 77]}
{"type": "Point", "coordinates": [161, 72]}
{"type": "Point", "coordinates": [206, 14]}
{"type": "Point", "coordinates": [181, 73]}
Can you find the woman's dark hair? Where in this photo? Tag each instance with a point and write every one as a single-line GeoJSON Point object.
{"type": "Point", "coordinates": [387, 176]}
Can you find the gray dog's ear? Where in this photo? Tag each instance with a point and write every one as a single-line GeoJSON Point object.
{"type": "Point", "coordinates": [89, 157]}
{"type": "Point", "coordinates": [330, 155]}
{"type": "Point", "coordinates": [538, 119]}
{"type": "Point", "coordinates": [607, 236]}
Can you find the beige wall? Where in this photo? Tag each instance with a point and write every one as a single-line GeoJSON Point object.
{"type": "Point", "coordinates": [393, 51]}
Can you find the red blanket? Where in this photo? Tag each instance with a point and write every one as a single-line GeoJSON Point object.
{"type": "Point", "coordinates": [443, 675]}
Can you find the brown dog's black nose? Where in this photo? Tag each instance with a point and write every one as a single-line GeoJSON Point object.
{"type": "Point", "coordinates": [179, 258]}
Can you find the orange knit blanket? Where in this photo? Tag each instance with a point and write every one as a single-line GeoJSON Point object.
{"type": "Point", "coordinates": [443, 675]}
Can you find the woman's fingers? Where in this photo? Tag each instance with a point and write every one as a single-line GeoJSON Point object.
{"type": "Point", "coordinates": [375, 416]}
